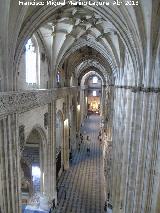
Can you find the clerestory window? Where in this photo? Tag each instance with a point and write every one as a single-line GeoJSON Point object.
{"type": "Point", "coordinates": [31, 63]}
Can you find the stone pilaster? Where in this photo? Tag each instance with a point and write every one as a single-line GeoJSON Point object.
{"type": "Point", "coordinates": [82, 105]}
{"type": "Point", "coordinates": [52, 151]}
{"type": "Point", "coordinates": [125, 147]}
{"type": "Point", "coordinates": [135, 170]}
{"type": "Point", "coordinates": [72, 113]}
{"type": "Point", "coordinates": [75, 118]}
{"type": "Point", "coordinates": [142, 152]}
{"type": "Point", "coordinates": [103, 100]}
{"type": "Point", "coordinates": [10, 165]}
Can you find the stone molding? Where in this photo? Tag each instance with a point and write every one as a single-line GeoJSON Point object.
{"type": "Point", "coordinates": [22, 101]}
{"type": "Point", "coordinates": [139, 89]}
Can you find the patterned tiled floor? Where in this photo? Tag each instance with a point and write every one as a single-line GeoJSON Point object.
{"type": "Point", "coordinates": [81, 188]}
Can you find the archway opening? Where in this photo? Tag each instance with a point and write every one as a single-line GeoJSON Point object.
{"type": "Point", "coordinates": [94, 94]}
{"type": "Point", "coordinates": [32, 168]}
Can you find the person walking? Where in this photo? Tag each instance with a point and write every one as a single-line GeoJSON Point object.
{"type": "Point", "coordinates": [70, 156]}
{"type": "Point", "coordinates": [88, 144]}
{"type": "Point", "coordinates": [81, 138]}
{"type": "Point", "coordinates": [53, 207]}
{"type": "Point", "coordinates": [79, 147]}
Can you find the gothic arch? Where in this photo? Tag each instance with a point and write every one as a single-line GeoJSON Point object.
{"type": "Point", "coordinates": [34, 153]}
{"type": "Point", "coordinates": [95, 66]}
{"type": "Point", "coordinates": [41, 132]}
{"type": "Point", "coordinates": [91, 73]}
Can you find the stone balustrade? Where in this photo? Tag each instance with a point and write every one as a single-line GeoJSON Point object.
{"type": "Point", "coordinates": [22, 101]}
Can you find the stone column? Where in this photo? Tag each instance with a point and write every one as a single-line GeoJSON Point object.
{"type": "Point", "coordinates": [121, 132]}
{"type": "Point", "coordinates": [78, 110]}
{"type": "Point", "coordinates": [118, 129]}
{"type": "Point", "coordinates": [140, 166]}
{"type": "Point", "coordinates": [70, 38]}
{"type": "Point", "coordinates": [103, 101]}
{"type": "Point", "coordinates": [72, 122]}
{"type": "Point", "coordinates": [66, 144]}
{"type": "Point", "coordinates": [155, 204]}
{"type": "Point", "coordinates": [52, 151]}
{"type": "Point", "coordinates": [82, 105]}
{"type": "Point", "coordinates": [66, 135]}
{"type": "Point", "coordinates": [10, 165]}
{"type": "Point", "coordinates": [135, 171]}
{"type": "Point", "coordinates": [125, 146]}
{"type": "Point", "coordinates": [86, 101]}
{"type": "Point", "coordinates": [75, 119]}
{"type": "Point", "coordinates": [149, 174]}
{"type": "Point", "coordinates": [44, 165]}
{"type": "Point", "coordinates": [59, 35]}
{"type": "Point", "coordinates": [114, 139]}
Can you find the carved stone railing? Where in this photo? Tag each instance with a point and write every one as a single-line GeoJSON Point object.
{"type": "Point", "coordinates": [22, 101]}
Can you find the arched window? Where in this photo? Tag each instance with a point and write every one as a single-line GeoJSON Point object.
{"type": "Point", "coordinates": [94, 93]}
{"type": "Point", "coordinates": [95, 80]}
{"type": "Point", "coordinates": [32, 74]}
{"type": "Point", "coordinates": [58, 76]}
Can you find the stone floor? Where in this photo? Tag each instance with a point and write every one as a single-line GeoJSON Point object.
{"type": "Point", "coordinates": [81, 188]}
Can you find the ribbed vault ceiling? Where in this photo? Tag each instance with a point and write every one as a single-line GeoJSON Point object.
{"type": "Point", "coordinates": [98, 34]}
